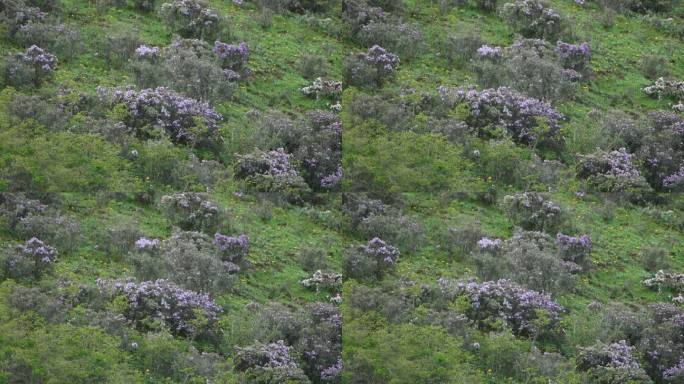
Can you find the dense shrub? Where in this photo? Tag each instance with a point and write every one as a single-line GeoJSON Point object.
{"type": "Point", "coordinates": [192, 18]}
{"type": "Point", "coordinates": [528, 258]}
{"type": "Point", "coordinates": [60, 39]}
{"type": "Point", "coordinates": [531, 66]}
{"type": "Point", "coordinates": [662, 342]}
{"type": "Point", "coordinates": [232, 249]}
{"type": "Point", "coordinates": [527, 312]}
{"type": "Point", "coordinates": [358, 206]}
{"type": "Point", "coordinates": [60, 231]}
{"type": "Point", "coordinates": [29, 260]}
{"type": "Point", "coordinates": [611, 363]}
{"type": "Point", "coordinates": [323, 88]}
{"type": "Point", "coordinates": [16, 206]}
{"type": "Point", "coordinates": [192, 211]}
{"type": "Point", "coordinates": [188, 66]}
{"type": "Point", "coordinates": [400, 230]}
{"type": "Point", "coordinates": [655, 66]}
{"type": "Point", "coordinates": [525, 119]}
{"type": "Point", "coordinates": [613, 172]}
{"type": "Point", "coordinates": [50, 113]}
{"type": "Point", "coordinates": [662, 150]}
{"type": "Point", "coordinates": [461, 240]}
{"type": "Point", "coordinates": [460, 48]}
{"type": "Point", "coordinates": [395, 113]}
{"type": "Point", "coordinates": [32, 67]}
{"type": "Point", "coordinates": [666, 88]}
{"type": "Point", "coordinates": [534, 18]}
{"type": "Point", "coordinates": [150, 303]}
{"type": "Point", "coordinates": [575, 249]}
{"type": "Point", "coordinates": [375, 67]}
{"type": "Point", "coordinates": [370, 261]}
{"type": "Point", "coordinates": [654, 258]}
{"type": "Point", "coordinates": [119, 239]}
{"type": "Point", "coordinates": [272, 172]}
{"type": "Point", "coordinates": [15, 14]}
{"type": "Point", "coordinates": [159, 112]}
{"type": "Point", "coordinates": [532, 211]}
{"type": "Point", "coordinates": [325, 280]}
{"type": "Point", "coordinates": [403, 39]}
{"type": "Point", "coordinates": [357, 13]}
{"type": "Point", "coordinates": [666, 280]}
{"type": "Point", "coordinates": [233, 59]}
{"type": "Point", "coordinates": [313, 66]}
{"type": "Point", "coordinates": [268, 363]}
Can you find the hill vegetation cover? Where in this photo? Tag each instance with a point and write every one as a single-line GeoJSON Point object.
{"type": "Point", "coordinates": [341, 191]}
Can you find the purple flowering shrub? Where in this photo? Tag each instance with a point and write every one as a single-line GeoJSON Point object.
{"type": "Point", "coordinates": [525, 119]}
{"type": "Point", "coordinates": [188, 259]}
{"type": "Point", "coordinates": [576, 57]}
{"type": "Point", "coordinates": [188, 66]}
{"type": "Point", "coordinates": [62, 40]}
{"type": "Point", "coordinates": [60, 231]}
{"type": "Point", "coordinates": [530, 259]}
{"type": "Point", "coordinates": [17, 13]}
{"type": "Point", "coordinates": [153, 113]}
{"type": "Point", "coordinates": [32, 67]}
{"type": "Point", "coordinates": [533, 212]}
{"type": "Point", "coordinates": [612, 363]}
{"type": "Point", "coordinates": [272, 172]}
{"type": "Point", "coordinates": [662, 342]}
{"type": "Point", "coordinates": [372, 260]}
{"type": "Point", "coordinates": [192, 18]}
{"type": "Point", "coordinates": [527, 312]}
{"type": "Point", "coordinates": [401, 230]}
{"type": "Point", "coordinates": [31, 259]}
{"type": "Point", "coordinates": [358, 206]}
{"type": "Point", "coordinates": [377, 66]}
{"type": "Point", "coordinates": [534, 18]}
{"type": "Point", "coordinates": [575, 249]}
{"type": "Point", "coordinates": [314, 333]}
{"type": "Point", "coordinates": [613, 172]}
{"type": "Point", "coordinates": [357, 13]}
{"type": "Point", "coordinates": [268, 363]}
{"type": "Point", "coordinates": [192, 211]}
{"type": "Point", "coordinates": [152, 304]}
{"type": "Point", "coordinates": [233, 59]}
{"type": "Point", "coordinates": [16, 206]}
{"type": "Point", "coordinates": [530, 66]}
{"type": "Point", "coordinates": [323, 88]}
{"type": "Point", "coordinates": [661, 150]}
{"type": "Point", "coordinates": [232, 249]}
{"type": "Point", "coordinates": [403, 39]}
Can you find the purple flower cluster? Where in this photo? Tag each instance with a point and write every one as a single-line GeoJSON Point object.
{"type": "Point", "coordinates": [38, 252]}
{"type": "Point", "coordinates": [333, 372]}
{"type": "Point", "coordinates": [574, 249]}
{"type": "Point", "coordinates": [272, 163]}
{"type": "Point", "coordinates": [486, 244]}
{"type": "Point", "coordinates": [491, 53]}
{"type": "Point", "coordinates": [333, 180]}
{"type": "Point", "coordinates": [191, 18]}
{"type": "Point", "coordinates": [616, 359]}
{"type": "Point", "coordinates": [383, 60]}
{"type": "Point", "coordinates": [533, 18]}
{"type": "Point", "coordinates": [505, 107]}
{"type": "Point", "coordinates": [39, 59]}
{"type": "Point", "coordinates": [274, 358]}
{"type": "Point", "coordinates": [574, 56]}
{"type": "Point", "coordinates": [147, 53]}
{"type": "Point", "coordinates": [163, 108]}
{"type": "Point", "coordinates": [674, 180]}
{"type": "Point", "coordinates": [148, 245]}
{"type": "Point", "coordinates": [381, 251]}
{"type": "Point", "coordinates": [191, 210]}
{"type": "Point", "coordinates": [675, 373]}
{"type": "Point", "coordinates": [161, 300]}
{"type": "Point", "coordinates": [505, 300]}
{"type": "Point", "coordinates": [234, 58]}
{"type": "Point", "coordinates": [232, 249]}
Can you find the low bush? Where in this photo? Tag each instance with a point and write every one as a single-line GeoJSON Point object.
{"type": "Point", "coordinates": [533, 212]}
{"type": "Point", "coordinates": [192, 211]}
{"type": "Point", "coordinates": [29, 260]}
{"type": "Point", "coordinates": [30, 68]}
{"type": "Point", "coordinates": [373, 260]}
{"type": "Point", "coordinates": [192, 19]}
{"type": "Point", "coordinates": [534, 19]}
{"type": "Point", "coordinates": [373, 68]}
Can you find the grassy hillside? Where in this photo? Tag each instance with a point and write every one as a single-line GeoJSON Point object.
{"type": "Point", "coordinates": [488, 227]}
